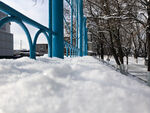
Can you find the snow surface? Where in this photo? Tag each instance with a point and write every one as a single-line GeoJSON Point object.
{"type": "Point", "coordinates": [138, 69]}
{"type": "Point", "coordinates": [73, 85]}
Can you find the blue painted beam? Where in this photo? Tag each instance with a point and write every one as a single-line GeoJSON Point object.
{"type": "Point", "coordinates": [86, 42]}
{"type": "Point", "coordinates": [48, 40]}
{"type": "Point", "coordinates": [80, 26]}
{"type": "Point", "coordinates": [84, 37]}
{"type": "Point", "coordinates": [67, 51]}
{"type": "Point", "coordinates": [10, 11]}
{"type": "Point", "coordinates": [50, 28]}
{"type": "Point", "coordinates": [71, 29]}
{"type": "Point", "coordinates": [77, 23]}
{"type": "Point", "coordinates": [58, 29]}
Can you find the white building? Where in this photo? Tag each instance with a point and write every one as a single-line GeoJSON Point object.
{"type": "Point", "coordinates": [6, 39]}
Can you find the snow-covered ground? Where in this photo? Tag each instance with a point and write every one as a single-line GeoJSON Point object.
{"type": "Point", "coordinates": [72, 85]}
{"type": "Point", "coordinates": [138, 69]}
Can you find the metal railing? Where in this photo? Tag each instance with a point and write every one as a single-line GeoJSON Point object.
{"type": "Point", "coordinates": [53, 34]}
{"type": "Point", "coordinates": [17, 17]}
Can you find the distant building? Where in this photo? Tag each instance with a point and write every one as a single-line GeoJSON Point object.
{"type": "Point", "coordinates": [42, 48]}
{"type": "Point", "coordinates": [6, 39]}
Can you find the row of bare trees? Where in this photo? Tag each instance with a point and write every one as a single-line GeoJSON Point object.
{"type": "Point", "coordinates": [120, 28]}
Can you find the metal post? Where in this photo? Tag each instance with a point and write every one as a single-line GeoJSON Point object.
{"type": "Point", "coordinates": [86, 42]}
{"type": "Point", "coordinates": [50, 28]}
{"type": "Point", "coordinates": [80, 26]}
{"type": "Point", "coordinates": [67, 51]}
{"type": "Point", "coordinates": [72, 52]}
{"type": "Point", "coordinates": [57, 27]}
{"type": "Point", "coordinates": [77, 24]}
{"type": "Point", "coordinates": [71, 28]}
{"type": "Point", "coordinates": [84, 38]}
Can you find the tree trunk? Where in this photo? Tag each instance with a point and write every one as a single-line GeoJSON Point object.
{"type": "Point", "coordinates": [127, 58]}
{"type": "Point", "coordinates": [145, 51]}
{"type": "Point", "coordinates": [148, 34]}
{"type": "Point", "coordinates": [120, 52]}
{"type": "Point", "coordinates": [148, 40]}
{"type": "Point", "coordinates": [102, 51]}
{"type": "Point", "coordinates": [113, 50]}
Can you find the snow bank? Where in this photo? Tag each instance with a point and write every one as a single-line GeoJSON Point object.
{"type": "Point", "coordinates": [77, 85]}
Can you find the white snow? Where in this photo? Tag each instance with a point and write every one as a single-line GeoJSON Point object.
{"type": "Point", "coordinates": [72, 85]}
{"type": "Point", "coordinates": [135, 67]}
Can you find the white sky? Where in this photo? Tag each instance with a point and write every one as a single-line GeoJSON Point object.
{"type": "Point", "coordinates": [38, 12]}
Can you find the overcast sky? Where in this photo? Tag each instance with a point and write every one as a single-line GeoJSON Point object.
{"type": "Point", "coordinates": [38, 12]}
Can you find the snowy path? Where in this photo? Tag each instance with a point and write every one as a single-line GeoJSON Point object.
{"type": "Point", "coordinates": [138, 70]}
{"type": "Point", "coordinates": [78, 85]}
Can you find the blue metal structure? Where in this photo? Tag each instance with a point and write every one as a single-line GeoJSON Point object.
{"type": "Point", "coordinates": [81, 26]}
{"type": "Point", "coordinates": [57, 27]}
{"type": "Point", "coordinates": [55, 33]}
{"type": "Point", "coordinates": [50, 28]}
{"type": "Point", "coordinates": [85, 38]}
{"type": "Point", "coordinates": [71, 37]}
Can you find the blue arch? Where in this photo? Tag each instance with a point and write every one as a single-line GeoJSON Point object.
{"type": "Point", "coordinates": [18, 21]}
{"type": "Point", "coordinates": [48, 40]}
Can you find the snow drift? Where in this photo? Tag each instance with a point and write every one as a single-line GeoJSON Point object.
{"type": "Point", "coordinates": [73, 85]}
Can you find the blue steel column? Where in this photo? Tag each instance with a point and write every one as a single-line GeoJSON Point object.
{"type": "Point", "coordinates": [84, 37]}
{"type": "Point", "coordinates": [77, 7]}
{"type": "Point", "coordinates": [71, 38]}
{"type": "Point", "coordinates": [57, 27]}
{"type": "Point", "coordinates": [80, 26]}
{"type": "Point", "coordinates": [50, 28]}
{"type": "Point", "coordinates": [67, 51]}
{"type": "Point", "coordinates": [86, 42]}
